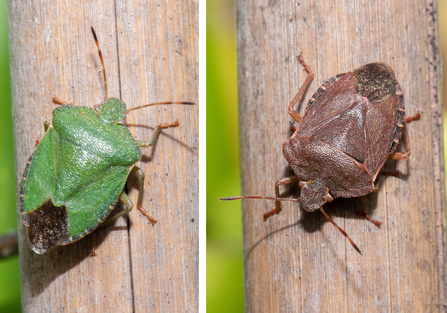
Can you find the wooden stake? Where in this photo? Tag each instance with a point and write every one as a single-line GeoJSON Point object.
{"type": "Point", "coordinates": [138, 268]}
{"type": "Point", "coordinates": [297, 261]}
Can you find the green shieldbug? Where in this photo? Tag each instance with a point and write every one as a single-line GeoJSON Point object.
{"type": "Point", "coordinates": [77, 173]}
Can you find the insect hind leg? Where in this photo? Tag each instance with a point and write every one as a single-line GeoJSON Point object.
{"type": "Point", "coordinates": [129, 206]}
{"type": "Point", "coordinates": [405, 155]}
{"type": "Point", "coordinates": [140, 174]}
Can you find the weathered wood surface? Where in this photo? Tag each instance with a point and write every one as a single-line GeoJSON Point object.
{"type": "Point", "coordinates": [297, 261]}
{"type": "Point", "coordinates": [151, 54]}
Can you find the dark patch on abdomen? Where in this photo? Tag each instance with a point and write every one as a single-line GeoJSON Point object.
{"type": "Point", "coordinates": [48, 227]}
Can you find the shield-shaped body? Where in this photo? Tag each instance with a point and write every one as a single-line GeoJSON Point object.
{"type": "Point", "coordinates": [351, 124]}
{"type": "Point", "coordinates": [74, 178]}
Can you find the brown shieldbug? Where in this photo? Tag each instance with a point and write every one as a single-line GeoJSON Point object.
{"type": "Point", "coordinates": [351, 126]}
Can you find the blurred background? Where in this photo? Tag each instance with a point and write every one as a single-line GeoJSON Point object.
{"type": "Point", "coordinates": [224, 225]}
{"type": "Point", "coordinates": [9, 268]}
{"type": "Point", "coordinates": [224, 280]}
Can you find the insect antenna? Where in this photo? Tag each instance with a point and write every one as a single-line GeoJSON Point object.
{"type": "Point", "coordinates": [102, 62]}
{"type": "Point", "coordinates": [258, 198]}
{"type": "Point", "coordinates": [292, 199]}
{"type": "Point", "coordinates": [342, 231]}
{"type": "Point", "coordinates": [159, 103]}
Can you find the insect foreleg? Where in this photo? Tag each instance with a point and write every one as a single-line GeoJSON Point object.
{"type": "Point", "coordinates": [282, 181]}
{"type": "Point", "coordinates": [61, 102]}
{"type": "Point", "coordinates": [294, 114]}
{"type": "Point", "coordinates": [156, 133]}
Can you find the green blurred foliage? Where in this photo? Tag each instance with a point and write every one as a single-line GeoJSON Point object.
{"type": "Point", "coordinates": [9, 269]}
{"type": "Point", "coordinates": [224, 219]}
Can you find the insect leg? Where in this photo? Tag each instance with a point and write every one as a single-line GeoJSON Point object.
{"type": "Point", "coordinates": [140, 174]}
{"type": "Point", "coordinates": [155, 134]}
{"type": "Point", "coordinates": [92, 245]}
{"type": "Point", "coordinates": [61, 102]}
{"type": "Point", "coordinates": [412, 118]}
{"type": "Point", "coordinates": [294, 114]}
{"type": "Point", "coordinates": [402, 155]}
{"type": "Point", "coordinates": [46, 125]}
{"type": "Point", "coordinates": [129, 206]}
{"type": "Point", "coordinates": [363, 213]}
{"type": "Point", "coordinates": [392, 173]}
{"type": "Point", "coordinates": [342, 231]}
{"type": "Point", "coordinates": [405, 155]}
{"type": "Point", "coordinates": [282, 181]}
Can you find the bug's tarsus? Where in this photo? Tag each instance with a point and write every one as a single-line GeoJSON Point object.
{"type": "Point", "coordinates": [102, 62]}
{"type": "Point", "coordinates": [306, 67]}
{"type": "Point", "coordinates": [271, 213]}
{"type": "Point", "coordinates": [144, 212]}
{"type": "Point", "coordinates": [159, 103]}
{"type": "Point", "coordinates": [294, 114]}
{"type": "Point", "coordinates": [60, 101]}
{"type": "Point", "coordinates": [365, 215]}
{"type": "Point", "coordinates": [342, 231]}
{"type": "Point", "coordinates": [140, 175]}
{"type": "Point", "coordinates": [167, 125]}
{"type": "Point", "coordinates": [371, 219]}
{"type": "Point", "coordinates": [412, 118]}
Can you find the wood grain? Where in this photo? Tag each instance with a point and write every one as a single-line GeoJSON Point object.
{"type": "Point", "coordinates": [297, 261]}
{"type": "Point", "coordinates": [151, 54]}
